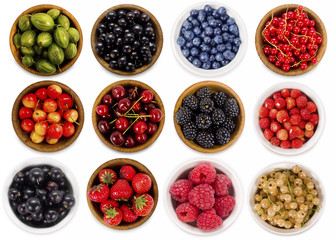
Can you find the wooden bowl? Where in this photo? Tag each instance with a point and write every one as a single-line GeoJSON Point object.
{"type": "Point", "coordinates": [44, 8]}
{"type": "Point", "coordinates": [128, 83]}
{"type": "Point", "coordinates": [44, 146]}
{"type": "Point", "coordinates": [157, 30]}
{"type": "Point", "coordinates": [239, 121]}
{"type": "Point", "coordinates": [115, 165]}
{"type": "Point", "coordinates": [277, 12]}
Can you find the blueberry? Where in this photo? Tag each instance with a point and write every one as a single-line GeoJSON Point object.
{"type": "Point", "coordinates": [202, 13]}
{"type": "Point", "coordinates": [224, 18]}
{"type": "Point", "coordinates": [218, 39]}
{"type": "Point", "coordinates": [210, 18]}
{"type": "Point", "coordinates": [221, 47]}
{"type": "Point", "coordinates": [226, 37]}
{"type": "Point", "coordinates": [225, 28]}
{"type": "Point", "coordinates": [194, 13]}
{"type": "Point", "coordinates": [201, 18]}
{"type": "Point", "coordinates": [202, 35]}
{"type": "Point", "coordinates": [225, 62]}
{"type": "Point", "coordinates": [213, 50]}
{"type": "Point", "coordinates": [205, 48]}
{"type": "Point", "coordinates": [194, 51]}
{"type": "Point", "coordinates": [212, 58]}
{"type": "Point", "coordinates": [189, 35]}
{"type": "Point", "coordinates": [237, 42]}
{"type": "Point", "coordinates": [217, 31]}
{"type": "Point", "coordinates": [204, 57]}
{"type": "Point", "coordinates": [195, 22]}
{"type": "Point", "coordinates": [183, 30]}
{"type": "Point", "coordinates": [187, 25]}
{"type": "Point", "coordinates": [231, 38]}
{"type": "Point", "coordinates": [189, 44]}
{"type": "Point", "coordinates": [196, 41]}
{"type": "Point", "coordinates": [228, 46]}
{"type": "Point", "coordinates": [230, 21]}
{"type": "Point", "coordinates": [190, 18]}
{"type": "Point", "coordinates": [204, 25]}
{"type": "Point", "coordinates": [215, 14]}
{"type": "Point", "coordinates": [208, 9]}
{"type": "Point", "coordinates": [197, 63]}
{"type": "Point", "coordinates": [208, 31]}
{"type": "Point", "coordinates": [221, 11]}
{"type": "Point", "coordinates": [216, 65]}
{"type": "Point", "coordinates": [207, 40]}
{"type": "Point", "coordinates": [212, 43]}
{"type": "Point", "coordinates": [213, 23]}
{"type": "Point", "coordinates": [219, 57]}
{"type": "Point", "coordinates": [197, 30]}
{"type": "Point", "coordinates": [206, 65]}
{"type": "Point", "coordinates": [229, 55]}
{"type": "Point", "coordinates": [235, 49]}
{"type": "Point", "coordinates": [190, 58]}
{"type": "Point", "coordinates": [234, 29]}
{"type": "Point", "coordinates": [181, 41]}
{"type": "Point", "coordinates": [185, 52]}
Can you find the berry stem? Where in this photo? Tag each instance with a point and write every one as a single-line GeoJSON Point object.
{"type": "Point", "coordinates": [131, 125]}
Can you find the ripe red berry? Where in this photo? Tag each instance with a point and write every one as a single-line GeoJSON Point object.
{"type": "Point", "coordinates": [264, 123]}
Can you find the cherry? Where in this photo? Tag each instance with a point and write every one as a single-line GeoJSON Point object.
{"type": "Point", "coordinates": [54, 91]}
{"type": "Point", "coordinates": [29, 100]}
{"type": "Point", "coordinates": [117, 138]}
{"type": "Point", "coordinates": [71, 115]}
{"type": "Point", "coordinates": [139, 127]}
{"type": "Point", "coordinates": [136, 106]}
{"type": "Point", "coordinates": [25, 112]}
{"type": "Point", "coordinates": [156, 115]}
{"type": "Point", "coordinates": [102, 110]}
{"type": "Point", "coordinates": [124, 105]}
{"type": "Point", "coordinates": [54, 117]}
{"type": "Point", "coordinates": [39, 115]}
{"type": "Point", "coordinates": [68, 129]}
{"type": "Point", "coordinates": [27, 125]}
{"type": "Point", "coordinates": [149, 106]}
{"type": "Point", "coordinates": [104, 126]}
{"type": "Point", "coordinates": [118, 92]}
{"type": "Point", "coordinates": [141, 138]}
{"type": "Point", "coordinates": [147, 96]}
{"type": "Point", "coordinates": [130, 141]}
{"type": "Point", "coordinates": [64, 101]}
{"type": "Point", "coordinates": [122, 123]}
{"type": "Point", "coordinates": [107, 100]}
{"type": "Point", "coordinates": [55, 131]}
{"type": "Point", "coordinates": [41, 93]}
{"type": "Point", "coordinates": [152, 128]}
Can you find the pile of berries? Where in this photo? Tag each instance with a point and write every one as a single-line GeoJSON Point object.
{"type": "Point", "coordinates": [204, 199]}
{"type": "Point", "coordinates": [126, 39]}
{"type": "Point", "coordinates": [123, 197]}
{"type": "Point", "coordinates": [288, 118]}
{"type": "Point", "coordinates": [208, 118]}
{"type": "Point", "coordinates": [128, 116]}
{"type": "Point", "coordinates": [291, 40]}
{"type": "Point", "coordinates": [286, 198]}
{"type": "Point", "coordinates": [41, 196]}
{"type": "Point", "coordinates": [209, 38]}
{"type": "Point", "coordinates": [48, 114]}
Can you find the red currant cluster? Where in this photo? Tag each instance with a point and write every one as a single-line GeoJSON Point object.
{"type": "Point", "coordinates": [291, 41]}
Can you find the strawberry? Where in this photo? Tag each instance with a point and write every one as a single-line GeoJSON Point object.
{"type": "Point", "coordinates": [127, 172]}
{"type": "Point", "coordinates": [141, 183]}
{"type": "Point", "coordinates": [99, 193]}
{"type": "Point", "coordinates": [128, 214]}
{"type": "Point", "coordinates": [107, 176]}
{"type": "Point", "coordinates": [108, 204]}
{"type": "Point", "coordinates": [113, 216]}
{"type": "Point", "coordinates": [121, 190]}
{"type": "Point", "coordinates": [143, 204]}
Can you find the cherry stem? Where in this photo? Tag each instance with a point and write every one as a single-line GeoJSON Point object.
{"type": "Point", "coordinates": [113, 121]}
{"type": "Point", "coordinates": [133, 106]}
{"type": "Point", "coordinates": [131, 125]}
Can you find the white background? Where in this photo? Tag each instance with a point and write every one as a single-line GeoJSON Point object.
{"type": "Point", "coordinates": [246, 157]}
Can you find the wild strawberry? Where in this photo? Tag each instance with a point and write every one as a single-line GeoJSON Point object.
{"type": "Point", "coordinates": [285, 93]}
{"type": "Point", "coordinates": [127, 172]}
{"type": "Point", "coordinates": [263, 112]}
{"type": "Point", "coordinates": [294, 132]}
{"type": "Point", "coordinates": [294, 111]}
{"type": "Point", "coordinates": [305, 114]}
{"type": "Point", "coordinates": [268, 134]}
{"type": "Point", "coordinates": [311, 107]}
{"type": "Point", "coordinates": [275, 141]}
{"type": "Point", "coordinates": [141, 183]}
{"type": "Point", "coordinates": [297, 143]}
{"type": "Point", "coordinates": [309, 134]}
{"type": "Point", "coordinates": [273, 113]}
{"type": "Point", "coordinates": [314, 118]}
{"type": "Point", "coordinates": [301, 101]}
{"type": "Point", "coordinates": [107, 176]}
{"type": "Point", "coordinates": [295, 119]}
{"type": "Point", "coordinates": [264, 123]}
{"type": "Point", "coordinates": [276, 95]}
{"type": "Point", "coordinates": [280, 103]}
{"type": "Point", "coordinates": [128, 214]}
{"type": "Point", "coordinates": [309, 126]}
{"type": "Point", "coordinates": [285, 144]}
{"type": "Point", "coordinates": [108, 204]}
{"type": "Point", "coordinates": [143, 204]}
{"type": "Point", "coordinates": [302, 124]}
{"type": "Point", "coordinates": [99, 193]}
{"type": "Point", "coordinates": [275, 127]}
{"type": "Point", "coordinates": [282, 134]}
{"type": "Point", "coordinates": [290, 103]}
{"type": "Point", "coordinates": [269, 103]}
{"type": "Point", "coordinates": [121, 190]}
{"type": "Point", "coordinates": [282, 116]}
{"type": "Point", "coordinates": [287, 125]}
{"type": "Point", "coordinates": [295, 93]}
{"type": "Point", "coordinates": [113, 216]}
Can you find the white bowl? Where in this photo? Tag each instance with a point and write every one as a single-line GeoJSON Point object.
{"type": "Point", "coordinates": [211, 72]}
{"type": "Point", "coordinates": [310, 94]}
{"type": "Point", "coordinates": [40, 161]}
{"type": "Point", "coordinates": [282, 231]}
{"type": "Point", "coordinates": [182, 172]}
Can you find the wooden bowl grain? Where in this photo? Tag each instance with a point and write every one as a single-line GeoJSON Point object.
{"type": "Point", "coordinates": [259, 44]}
{"type": "Point", "coordinates": [44, 146]}
{"type": "Point", "coordinates": [44, 8]}
{"type": "Point", "coordinates": [115, 165]}
{"type": "Point", "coordinates": [239, 121]}
{"type": "Point", "coordinates": [157, 30]}
{"type": "Point", "coordinates": [128, 83]}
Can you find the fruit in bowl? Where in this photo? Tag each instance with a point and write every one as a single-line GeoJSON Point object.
{"type": "Point", "coordinates": [128, 115]}
{"type": "Point", "coordinates": [203, 197]}
{"type": "Point", "coordinates": [288, 118]}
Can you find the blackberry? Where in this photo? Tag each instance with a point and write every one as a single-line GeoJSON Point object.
{"type": "Point", "coordinates": [231, 108]}
{"type": "Point", "coordinates": [205, 139]}
{"type": "Point", "coordinates": [203, 121]}
{"type": "Point", "coordinates": [219, 99]}
{"type": "Point", "coordinates": [206, 105]}
{"type": "Point", "coordinates": [189, 130]}
{"type": "Point", "coordinates": [229, 125]}
{"type": "Point", "coordinates": [183, 115]}
{"type": "Point", "coordinates": [203, 93]}
{"type": "Point", "coordinates": [190, 102]}
{"type": "Point", "coordinates": [222, 136]}
{"type": "Point", "coordinates": [218, 117]}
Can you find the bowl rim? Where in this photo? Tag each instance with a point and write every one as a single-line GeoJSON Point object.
{"type": "Point", "coordinates": [236, 184]}
{"type": "Point", "coordinates": [279, 231]}
{"type": "Point", "coordinates": [264, 59]}
{"type": "Point", "coordinates": [36, 8]}
{"type": "Point", "coordinates": [150, 140]}
{"type": "Point", "coordinates": [131, 162]}
{"type": "Point", "coordinates": [37, 161]}
{"type": "Point", "coordinates": [213, 72]}
{"type": "Point", "coordinates": [16, 120]}
{"type": "Point", "coordinates": [159, 40]}
{"type": "Point", "coordinates": [321, 113]}
{"type": "Point", "coordinates": [241, 116]}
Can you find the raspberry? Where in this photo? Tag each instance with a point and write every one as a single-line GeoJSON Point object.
{"type": "Point", "coordinates": [290, 103]}
{"type": "Point", "coordinates": [301, 101]}
{"type": "Point", "coordinates": [294, 111]}
{"type": "Point", "coordinates": [295, 119]}
{"type": "Point", "coordinates": [311, 107]}
{"type": "Point", "coordinates": [202, 196]}
{"type": "Point", "coordinates": [275, 126]}
{"type": "Point", "coordinates": [221, 185]}
{"type": "Point", "coordinates": [263, 112]}
{"type": "Point", "coordinates": [282, 134]}
{"type": "Point", "coordinates": [208, 220]}
{"type": "Point", "coordinates": [275, 141]}
{"type": "Point", "coordinates": [280, 103]}
{"type": "Point", "coordinates": [295, 93]}
{"type": "Point", "coordinates": [282, 116]}
{"type": "Point", "coordinates": [180, 189]}
{"type": "Point", "coordinates": [285, 93]}
{"type": "Point", "coordinates": [314, 118]}
{"type": "Point", "coordinates": [305, 114]}
{"type": "Point", "coordinates": [187, 212]}
{"type": "Point", "coordinates": [269, 103]}
{"type": "Point", "coordinates": [224, 205]}
{"type": "Point", "coordinates": [264, 123]}
{"type": "Point", "coordinates": [297, 143]}
{"type": "Point", "coordinates": [202, 173]}
{"type": "Point", "coordinates": [285, 144]}
{"type": "Point", "coordinates": [273, 113]}
{"type": "Point", "coordinates": [268, 134]}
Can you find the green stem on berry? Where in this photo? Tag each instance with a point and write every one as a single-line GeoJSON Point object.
{"type": "Point", "coordinates": [131, 125]}
{"type": "Point", "coordinates": [112, 121]}
{"type": "Point", "coordinates": [133, 106]}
